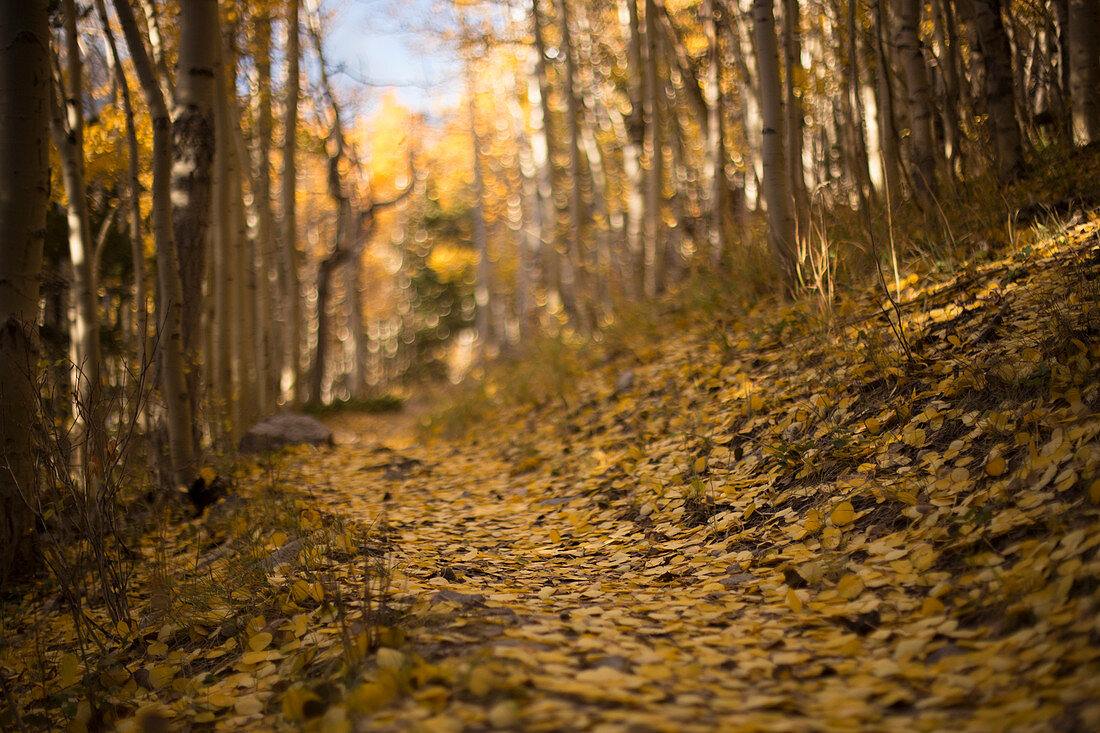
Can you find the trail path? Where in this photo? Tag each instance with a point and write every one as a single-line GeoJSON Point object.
{"type": "Point", "coordinates": [778, 541]}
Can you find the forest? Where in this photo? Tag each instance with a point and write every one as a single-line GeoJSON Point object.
{"type": "Point", "coordinates": [659, 365]}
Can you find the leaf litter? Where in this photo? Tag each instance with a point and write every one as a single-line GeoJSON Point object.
{"type": "Point", "coordinates": [785, 528]}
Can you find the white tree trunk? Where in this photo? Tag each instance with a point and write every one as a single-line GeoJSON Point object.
{"type": "Point", "coordinates": [777, 192]}
{"type": "Point", "coordinates": [169, 304]}
{"type": "Point", "coordinates": [67, 128]}
{"type": "Point", "coordinates": [292, 303]}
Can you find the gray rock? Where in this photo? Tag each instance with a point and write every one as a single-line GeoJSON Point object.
{"type": "Point", "coordinates": [279, 431]}
{"type": "Point", "coordinates": [624, 381]}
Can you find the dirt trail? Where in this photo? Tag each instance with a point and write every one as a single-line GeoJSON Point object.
{"type": "Point", "coordinates": [538, 610]}
{"type": "Point", "coordinates": [776, 541]}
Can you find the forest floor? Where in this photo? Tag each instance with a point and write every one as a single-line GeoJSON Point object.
{"type": "Point", "coordinates": [774, 521]}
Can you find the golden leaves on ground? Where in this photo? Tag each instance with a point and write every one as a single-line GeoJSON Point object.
{"type": "Point", "coordinates": [811, 536]}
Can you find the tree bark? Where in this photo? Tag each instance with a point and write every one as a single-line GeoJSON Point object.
{"type": "Point", "coordinates": [654, 239]}
{"type": "Point", "coordinates": [996, 55]}
{"type": "Point", "coordinates": [887, 117]}
{"type": "Point", "coordinates": [193, 143]}
{"type": "Point", "coordinates": [633, 145]}
{"type": "Point", "coordinates": [181, 441]}
{"type": "Point", "coordinates": [792, 52]}
{"type": "Point", "coordinates": [482, 278]}
{"type": "Point", "coordinates": [1084, 70]}
{"type": "Point", "coordinates": [291, 295]}
{"type": "Point", "coordinates": [264, 255]}
{"type": "Point", "coordinates": [921, 157]}
{"type": "Point", "coordinates": [714, 165]}
{"type": "Point", "coordinates": [575, 250]}
{"type": "Point", "coordinates": [67, 126]}
{"type": "Point", "coordinates": [137, 247]}
{"type": "Point", "coordinates": [24, 194]}
{"type": "Point", "coordinates": [777, 192]}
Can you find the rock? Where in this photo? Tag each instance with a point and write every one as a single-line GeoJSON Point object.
{"type": "Point", "coordinates": [624, 381]}
{"type": "Point", "coordinates": [279, 431]}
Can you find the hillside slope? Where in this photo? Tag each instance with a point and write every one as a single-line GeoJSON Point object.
{"type": "Point", "coordinates": [772, 528]}
{"type": "Point", "coordinates": [756, 523]}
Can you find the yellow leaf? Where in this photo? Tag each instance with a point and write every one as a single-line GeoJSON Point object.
{"type": "Point", "coordinates": [300, 626]}
{"type": "Point", "coordinates": [161, 675]}
{"type": "Point", "coordinates": [220, 700]}
{"type": "Point", "coordinates": [390, 658]}
{"type": "Point", "coordinates": [842, 514]}
{"type": "Point", "coordinates": [812, 522]}
{"type": "Point", "coordinates": [294, 703]}
{"type": "Point", "coordinates": [371, 696]}
{"type": "Point", "coordinates": [914, 437]}
{"type": "Point", "coordinates": [849, 586]}
{"type": "Point", "coordinates": [278, 539]}
{"type": "Point", "coordinates": [931, 607]}
{"type": "Point", "coordinates": [70, 669]}
{"type": "Point", "coordinates": [700, 464]}
{"type": "Point", "coordinates": [299, 591]}
{"type": "Point", "coordinates": [481, 681]}
{"type": "Point", "coordinates": [504, 715]}
{"type": "Point", "coordinates": [830, 538]}
{"type": "Point", "coordinates": [756, 402]}
{"type": "Point", "coordinates": [995, 466]}
{"type": "Point", "coordinates": [555, 536]}
{"type": "Point", "coordinates": [1094, 491]}
{"type": "Point", "coordinates": [248, 705]}
{"type": "Point", "coordinates": [874, 426]}
{"type": "Point", "coordinates": [260, 641]}
{"type": "Point", "coordinates": [793, 601]}
{"type": "Point", "coordinates": [254, 657]}
{"type": "Point", "coordinates": [208, 474]}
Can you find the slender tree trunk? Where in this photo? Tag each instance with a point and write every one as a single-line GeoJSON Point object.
{"type": "Point", "coordinates": [946, 37]}
{"type": "Point", "coordinates": [575, 250]}
{"type": "Point", "coordinates": [292, 303]}
{"type": "Point", "coordinates": [266, 381]}
{"type": "Point", "coordinates": [483, 277]}
{"type": "Point", "coordinates": [530, 220]}
{"type": "Point", "coordinates": [156, 42]}
{"type": "Point", "coordinates": [633, 146]}
{"type": "Point", "coordinates": [606, 219]}
{"type": "Point", "coordinates": [24, 195]}
{"type": "Point", "coordinates": [192, 163]}
{"type": "Point", "coordinates": [921, 140]}
{"type": "Point", "coordinates": [1084, 70]}
{"type": "Point", "coordinates": [560, 281]}
{"type": "Point", "coordinates": [887, 118]}
{"type": "Point", "coordinates": [243, 298]}
{"type": "Point", "coordinates": [654, 243]}
{"type": "Point", "coordinates": [169, 304]}
{"type": "Point", "coordinates": [777, 192]}
{"type": "Point", "coordinates": [998, 85]}
{"type": "Point", "coordinates": [792, 52]}
{"type": "Point", "coordinates": [225, 269]}
{"type": "Point", "coordinates": [749, 93]}
{"type": "Point", "coordinates": [67, 128]}
{"type": "Point", "coordinates": [1061, 13]}
{"type": "Point", "coordinates": [714, 176]}
{"type": "Point", "coordinates": [137, 247]}
{"type": "Point", "coordinates": [853, 103]}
